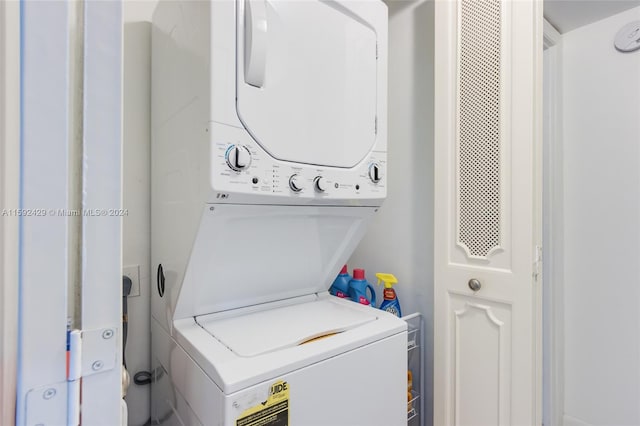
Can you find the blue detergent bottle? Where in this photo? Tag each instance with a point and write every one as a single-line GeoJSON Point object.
{"type": "Point", "coordinates": [390, 303]}
{"type": "Point", "coordinates": [358, 287]}
{"type": "Point", "coordinates": [340, 286]}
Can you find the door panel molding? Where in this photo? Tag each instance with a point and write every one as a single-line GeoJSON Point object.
{"type": "Point", "coordinates": [494, 321]}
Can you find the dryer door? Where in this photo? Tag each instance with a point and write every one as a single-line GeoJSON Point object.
{"type": "Point", "coordinates": [307, 78]}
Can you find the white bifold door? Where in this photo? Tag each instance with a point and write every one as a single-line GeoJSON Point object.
{"type": "Point", "coordinates": [69, 283]}
{"type": "Point", "coordinates": [487, 318]}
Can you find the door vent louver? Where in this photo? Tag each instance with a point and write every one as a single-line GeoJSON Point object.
{"type": "Point", "coordinates": [479, 126]}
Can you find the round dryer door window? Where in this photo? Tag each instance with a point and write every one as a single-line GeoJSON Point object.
{"type": "Point", "coordinates": [307, 80]}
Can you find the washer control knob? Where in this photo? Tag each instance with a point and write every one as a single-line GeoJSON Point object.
{"type": "Point", "coordinates": [238, 157]}
{"type": "Point", "coordinates": [320, 184]}
{"type": "Point", "coordinates": [295, 183]}
{"type": "Point", "coordinates": [375, 172]}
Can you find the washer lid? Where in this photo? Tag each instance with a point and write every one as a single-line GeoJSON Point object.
{"type": "Point", "coordinates": [246, 255]}
{"type": "Point", "coordinates": [307, 78]}
{"type": "Point", "coordinates": [271, 330]}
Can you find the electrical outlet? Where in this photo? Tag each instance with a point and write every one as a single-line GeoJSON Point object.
{"type": "Point", "coordinates": [133, 272]}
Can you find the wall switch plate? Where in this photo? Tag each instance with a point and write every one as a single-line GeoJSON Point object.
{"type": "Point", "coordinates": [133, 272]}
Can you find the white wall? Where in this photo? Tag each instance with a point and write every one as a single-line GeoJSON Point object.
{"type": "Point", "coordinates": [601, 138]}
{"type": "Point", "coordinates": [137, 193]}
{"type": "Point", "coordinates": [400, 241]}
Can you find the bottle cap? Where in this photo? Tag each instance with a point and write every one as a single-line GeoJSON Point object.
{"type": "Point", "coordinates": [358, 274]}
{"type": "Point", "coordinates": [344, 270]}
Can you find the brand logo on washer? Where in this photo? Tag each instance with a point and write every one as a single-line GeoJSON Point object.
{"type": "Point", "coordinates": [278, 387]}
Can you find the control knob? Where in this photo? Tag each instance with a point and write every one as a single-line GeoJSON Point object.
{"type": "Point", "coordinates": [320, 184]}
{"type": "Point", "coordinates": [238, 157]}
{"type": "Point", "coordinates": [296, 183]}
{"type": "Point", "coordinates": [375, 172]}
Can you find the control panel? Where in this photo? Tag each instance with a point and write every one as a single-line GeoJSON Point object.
{"type": "Point", "coordinates": [241, 166]}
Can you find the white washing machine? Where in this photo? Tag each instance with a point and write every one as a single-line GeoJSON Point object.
{"type": "Point", "coordinates": [268, 162]}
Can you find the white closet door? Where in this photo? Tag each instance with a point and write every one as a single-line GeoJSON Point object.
{"type": "Point", "coordinates": [487, 315]}
{"type": "Point", "coordinates": [51, 368]}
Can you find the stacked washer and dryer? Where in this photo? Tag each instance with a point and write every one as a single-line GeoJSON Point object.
{"type": "Point", "coordinates": [269, 140]}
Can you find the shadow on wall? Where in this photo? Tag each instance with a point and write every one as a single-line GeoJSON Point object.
{"type": "Point", "coordinates": [400, 238]}
{"type": "Point", "coordinates": [395, 6]}
{"type": "Point", "coordinates": [423, 163]}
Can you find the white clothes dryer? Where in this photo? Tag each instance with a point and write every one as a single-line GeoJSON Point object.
{"type": "Point", "coordinates": [268, 162]}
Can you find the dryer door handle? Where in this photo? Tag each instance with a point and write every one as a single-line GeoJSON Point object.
{"type": "Point", "coordinates": [255, 41]}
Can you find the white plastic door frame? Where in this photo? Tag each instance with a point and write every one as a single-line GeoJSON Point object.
{"type": "Point", "coordinates": [102, 198]}
{"type": "Point", "coordinates": [43, 248]}
{"type": "Point", "coordinates": [9, 189]}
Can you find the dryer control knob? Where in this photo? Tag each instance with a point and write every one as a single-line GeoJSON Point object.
{"type": "Point", "coordinates": [320, 184]}
{"type": "Point", "coordinates": [238, 157]}
{"type": "Point", "coordinates": [295, 183]}
{"type": "Point", "coordinates": [375, 172]}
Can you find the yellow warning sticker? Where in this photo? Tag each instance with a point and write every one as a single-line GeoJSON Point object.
{"type": "Point", "coordinates": [272, 412]}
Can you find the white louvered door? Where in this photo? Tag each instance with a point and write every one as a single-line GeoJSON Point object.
{"type": "Point", "coordinates": [487, 314]}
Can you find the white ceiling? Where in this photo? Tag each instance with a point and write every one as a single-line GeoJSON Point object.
{"type": "Point", "coordinates": [567, 15]}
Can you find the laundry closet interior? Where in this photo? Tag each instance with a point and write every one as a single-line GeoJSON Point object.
{"type": "Point", "coordinates": [591, 148]}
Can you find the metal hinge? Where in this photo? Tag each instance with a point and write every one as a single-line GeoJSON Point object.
{"type": "Point", "coordinates": [90, 352]}
{"type": "Point", "coordinates": [537, 263]}
{"type": "Point", "coordinates": [375, 125]}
